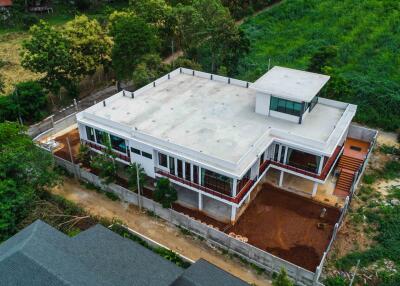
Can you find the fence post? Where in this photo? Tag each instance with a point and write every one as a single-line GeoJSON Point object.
{"type": "Point", "coordinates": [316, 276]}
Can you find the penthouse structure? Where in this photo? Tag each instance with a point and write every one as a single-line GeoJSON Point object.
{"type": "Point", "coordinates": [215, 137]}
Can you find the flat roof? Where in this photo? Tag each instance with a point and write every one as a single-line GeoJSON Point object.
{"type": "Point", "coordinates": [290, 84]}
{"type": "Point", "coordinates": [210, 117]}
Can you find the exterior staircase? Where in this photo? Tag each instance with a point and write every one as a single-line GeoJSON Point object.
{"type": "Point", "coordinates": [348, 166]}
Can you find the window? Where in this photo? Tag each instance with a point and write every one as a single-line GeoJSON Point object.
{"type": "Point", "coordinates": [163, 160]}
{"type": "Point", "coordinates": [285, 106]}
{"type": "Point", "coordinates": [100, 137]}
{"type": "Point", "coordinates": [195, 174]}
{"type": "Point", "coordinates": [216, 182]}
{"type": "Point", "coordinates": [313, 102]}
{"type": "Point", "coordinates": [172, 165]}
{"type": "Point", "coordinates": [180, 168]}
{"type": "Point", "coordinates": [90, 134]}
{"type": "Point", "coordinates": [147, 155]}
{"type": "Point", "coordinates": [118, 143]}
{"type": "Point", "coordinates": [134, 150]}
{"type": "Point", "coordinates": [187, 171]}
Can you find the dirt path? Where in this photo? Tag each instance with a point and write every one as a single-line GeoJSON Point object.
{"type": "Point", "coordinates": [156, 229]}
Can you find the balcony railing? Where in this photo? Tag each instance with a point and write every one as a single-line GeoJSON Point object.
{"type": "Point", "coordinates": [321, 176]}
{"type": "Point", "coordinates": [235, 199]}
{"type": "Point", "coordinates": [102, 148]}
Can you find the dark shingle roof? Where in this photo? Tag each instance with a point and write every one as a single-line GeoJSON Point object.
{"type": "Point", "coordinates": [41, 255]}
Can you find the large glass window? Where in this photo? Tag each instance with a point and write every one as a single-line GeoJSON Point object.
{"type": "Point", "coordinates": [100, 136]}
{"type": "Point", "coordinates": [118, 143]}
{"type": "Point", "coordinates": [187, 171]}
{"type": "Point", "coordinates": [90, 133]}
{"type": "Point", "coordinates": [162, 160]}
{"type": "Point", "coordinates": [285, 106]}
{"type": "Point", "coordinates": [180, 168]}
{"type": "Point", "coordinates": [313, 102]}
{"type": "Point", "coordinates": [136, 151]}
{"type": "Point", "coordinates": [147, 155]}
{"type": "Point", "coordinates": [172, 165]}
{"type": "Point", "coordinates": [195, 174]}
{"type": "Point", "coordinates": [216, 182]}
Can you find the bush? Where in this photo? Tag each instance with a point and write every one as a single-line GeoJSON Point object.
{"type": "Point", "coordinates": [282, 279]}
{"type": "Point", "coordinates": [164, 193]}
{"type": "Point", "coordinates": [82, 5]}
{"type": "Point", "coordinates": [29, 20]}
{"type": "Point", "coordinates": [336, 281]}
{"type": "Point", "coordinates": [112, 196]}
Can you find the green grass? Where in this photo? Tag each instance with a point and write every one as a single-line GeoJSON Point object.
{"type": "Point", "coordinates": [366, 34]}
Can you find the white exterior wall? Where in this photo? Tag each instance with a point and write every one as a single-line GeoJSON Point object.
{"type": "Point", "coordinates": [262, 103]}
{"type": "Point", "coordinates": [284, 116]}
{"type": "Point", "coordinates": [146, 163]}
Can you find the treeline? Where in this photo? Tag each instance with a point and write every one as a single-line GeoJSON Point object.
{"type": "Point", "coordinates": [130, 44]}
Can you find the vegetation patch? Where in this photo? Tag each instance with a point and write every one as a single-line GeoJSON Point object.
{"type": "Point", "coordinates": [365, 35]}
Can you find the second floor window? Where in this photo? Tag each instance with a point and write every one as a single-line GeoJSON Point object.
{"type": "Point", "coordinates": [286, 106]}
{"type": "Point", "coordinates": [163, 160]}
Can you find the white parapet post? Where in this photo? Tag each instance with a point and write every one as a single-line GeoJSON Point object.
{"type": "Point", "coordinates": [234, 187]}
{"type": "Point", "coordinates": [233, 213]}
{"type": "Point", "coordinates": [315, 188]}
{"type": "Point", "coordinates": [281, 179]}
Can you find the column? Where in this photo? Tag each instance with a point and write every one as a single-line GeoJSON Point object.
{"type": "Point", "coordinates": [200, 183]}
{"type": "Point", "coordinates": [234, 187]}
{"type": "Point", "coordinates": [285, 155]}
{"type": "Point", "coordinates": [314, 190]}
{"type": "Point", "coordinates": [176, 166]}
{"type": "Point", "coordinates": [191, 172]}
{"type": "Point", "coordinates": [200, 201]}
{"type": "Point", "coordinates": [279, 153]}
{"type": "Point", "coordinates": [184, 170]}
{"type": "Point", "coordinates": [321, 164]}
{"type": "Point", "coordinates": [281, 179]}
{"type": "Point", "coordinates": [233, 213]}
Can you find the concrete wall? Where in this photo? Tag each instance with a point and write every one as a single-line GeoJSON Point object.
{"type": "Point", "coordinates": [146, 163]}
{"type": "Point", "coordinates": [361, 133]}
{"type": "Point", "coordinates": [284, 116]}
{"type": "Point", "coordinates": [217, 238]}
{"type": "Point", "coordinates": [262, 103]}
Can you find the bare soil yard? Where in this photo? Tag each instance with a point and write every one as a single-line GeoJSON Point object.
{"type": "Point", "coordinates": [286, 225]}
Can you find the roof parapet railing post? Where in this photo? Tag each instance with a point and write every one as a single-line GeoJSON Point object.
{"type": "Point", "coordinates": [169, 76]}
{"type": "Point", "coordinates": [123, 92]}
{"type": "Point", "coordinates": [229, 80]}
{"type": "Point", "coordinates": [104, 103]}
{"type": "Point", "coordinates": [193, 72]}
{"type": "Point", "coordinates": [247, 84]}
{"type": "Point", "coordinates": [211, 76]}
{"type": "Point", "coordinates": [154, 84]}
{"type": "Point", "coordinates": [132, 94]}
{"type": "Point", "coordinates": [180, 70]}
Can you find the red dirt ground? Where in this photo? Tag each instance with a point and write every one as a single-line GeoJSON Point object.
{"type": "Point", "coordinates": [285, 225]}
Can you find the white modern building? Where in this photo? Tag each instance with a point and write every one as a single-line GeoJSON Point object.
{"type": "Point", "coordinates": [216, 137]}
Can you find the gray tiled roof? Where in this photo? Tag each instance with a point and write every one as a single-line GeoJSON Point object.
{"type": "Point", "coordinates": [41, 255]}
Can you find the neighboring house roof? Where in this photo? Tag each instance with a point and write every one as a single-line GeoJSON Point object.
{"type": "Point", "coordinates": [41, 255]}
{"type": "Point", "coordinates": [5, 3]}
{"type": "Point", "coordinates": [291, 84]}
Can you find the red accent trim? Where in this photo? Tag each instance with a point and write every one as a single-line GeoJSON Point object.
{"type": "Point", "coordinates": [101, 148]}
{"type": "Point", "coordinates": [236, 199]}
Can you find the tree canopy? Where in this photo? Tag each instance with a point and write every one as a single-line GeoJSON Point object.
{"type": "Point", "coordinates": [133, 39]}
{"type": "Point", "coordinates": [25, 171]}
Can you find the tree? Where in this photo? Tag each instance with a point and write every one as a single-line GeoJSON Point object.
{"type": "Point", "coordinates": [25, 172]}
{"type": "Point", "coordinates": [152, 11]}
{"type": "Point", "coordinates": [186, 63]}
{"type": "Point", "coordinates": [105, 163]}
{"type": "Point", "coordinates": [48, 52]}
{"type": "Point", "coordinates": [282, 279]}
{"type": "Point", "coordinates": [132, 173]}
{"type": "Point", "coordinates": [164, 193]}
{"type": "Point", "coordinates": [2, 85]}
{"type": "Point", "coordinates": [148, 70]}
{"type": "Point", "coordinates": [133, 38]}
{"type": "Point", "coordinates": [89, 43]}
{"type": "Point", "coordinates": [84, 155]}
{"type": "Point", "coordinates": [322, 58]}
{"type": "Point", "coordinates": [30, 101]}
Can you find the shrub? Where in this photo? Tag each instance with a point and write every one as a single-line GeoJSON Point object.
{"type": "Point", "coordinates": [336, 281]}
{"type": "Point", "coordinates": [165, 193]}
{"type": "Point", "coordinates": [112, 196]}
{"type": "Point", "coordinates": [29, 20]}
{"type": "Point", "coordinates": [282, 279]}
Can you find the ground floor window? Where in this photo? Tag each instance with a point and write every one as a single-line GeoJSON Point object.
{"type": "Point", "coordinates": [303, 160]}
{"type": "Point", "coordinates": [90, 134]}
{"type": "Point", "coordinates": [100, 137]}
{"type": "Point", "coordinates": [216, 182]}
{"type": "Point", "coordinates": [118, 143]}
{"type": "Point", "coordinates": [163, 160]}
{"type": "Point", "coordinates": [243, 181]}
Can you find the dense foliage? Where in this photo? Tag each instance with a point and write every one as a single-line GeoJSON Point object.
{"type": "Point", "coordinates": [165, 193]}
{"type": "Point", "coordinates": [366, 35]}
{"type": "Point", "coordinates": [25, 171]}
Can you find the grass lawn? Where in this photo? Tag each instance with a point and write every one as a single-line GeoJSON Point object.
{"type": "Point", "coordinates": [366, 33]}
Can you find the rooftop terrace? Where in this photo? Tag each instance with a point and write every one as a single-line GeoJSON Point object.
{"type": "Point", "coordinates": [213, 117]}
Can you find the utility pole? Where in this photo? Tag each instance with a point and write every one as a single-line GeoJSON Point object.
{"type": "Point", "coordinates": [71, 157]}
{"type": "Point", "coordinates": [138, 186]}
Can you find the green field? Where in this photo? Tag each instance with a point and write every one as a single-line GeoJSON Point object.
{"type": "Point", "coordinates": [366, 34]}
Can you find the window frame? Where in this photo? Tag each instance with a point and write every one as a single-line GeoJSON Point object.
{"type": "Point", "coordinates": [147, 155]}
{"type": "Point", "coordinates": [160, 155]}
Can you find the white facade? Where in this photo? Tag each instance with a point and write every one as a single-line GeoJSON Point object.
{"type": "Point", "coordinates": [208, 122]}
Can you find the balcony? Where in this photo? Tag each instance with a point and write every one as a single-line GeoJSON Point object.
{"type": "Point", "coordinates": [101, 148]}
{"type": "Point", "coordinates": [237, 199]}
{"type": "Point", "coordinates": [325, 171]}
